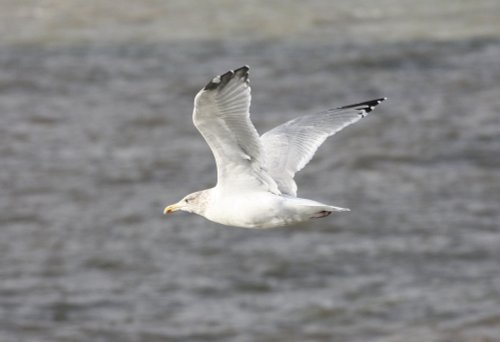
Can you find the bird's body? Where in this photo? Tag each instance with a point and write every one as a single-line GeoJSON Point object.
{"type": "Point", "coordinates": [255, 186]}
{"type": "Point", "coordinates": [259, 209]}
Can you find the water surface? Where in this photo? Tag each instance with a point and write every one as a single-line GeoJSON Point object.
{"type": "Point", "coordinates": [96, 138]}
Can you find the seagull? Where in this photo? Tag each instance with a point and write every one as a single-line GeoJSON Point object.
{"type": "Point", "coordinates": [255, 174]}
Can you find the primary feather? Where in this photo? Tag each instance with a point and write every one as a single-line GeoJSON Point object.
{"type": "Point", "coordinates": [290, 146]}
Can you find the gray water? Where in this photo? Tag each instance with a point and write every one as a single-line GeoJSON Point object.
{"type": "Point", "coordinates": [96, 138]}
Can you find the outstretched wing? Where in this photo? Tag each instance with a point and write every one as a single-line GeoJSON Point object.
{"type": "Point", "coordinates": [290, 146]}
{"type": "Point", "coordinates": [221, 114]}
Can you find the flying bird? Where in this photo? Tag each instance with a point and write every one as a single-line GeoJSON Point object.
{"type": "Point", "coordinates": [255, 174]}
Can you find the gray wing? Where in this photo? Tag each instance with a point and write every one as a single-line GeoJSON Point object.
{"type": "Point", "coordinates": [221, 114]}
{"type": "Point", "coordinates": [290, 146]}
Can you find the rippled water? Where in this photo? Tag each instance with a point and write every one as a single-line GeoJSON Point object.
{"type": "Point", "coordinates": [96, 138]}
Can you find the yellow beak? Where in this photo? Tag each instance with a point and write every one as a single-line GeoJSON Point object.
{"type": "Point", "coordinates": [171, 208]}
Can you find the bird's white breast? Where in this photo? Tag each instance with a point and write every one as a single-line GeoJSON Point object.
{"type": "Point", "coordinates": [257, 209]}
{"type": "Point", "coordinates": [247, 209]}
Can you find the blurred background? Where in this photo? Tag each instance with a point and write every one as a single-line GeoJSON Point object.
{"type": "Point", "coordinates": [96, 138]}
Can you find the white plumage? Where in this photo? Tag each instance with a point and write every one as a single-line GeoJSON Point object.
{"type": "Point", "coordinates": [255, 186]}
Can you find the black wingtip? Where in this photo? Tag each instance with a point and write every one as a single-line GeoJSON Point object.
{"type": "Point", "coordinates": [365, 107]}
{"type": "Point", "coordinates": [243, 71]}
{"type": "Point", "coordinates": [221, 80]}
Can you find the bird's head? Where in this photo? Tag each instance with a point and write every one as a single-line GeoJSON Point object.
{"type": "Point", "coordinates": [192, 203]}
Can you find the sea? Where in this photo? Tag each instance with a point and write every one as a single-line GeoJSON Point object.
{"type": "Point", "coordinates": [96, 138]}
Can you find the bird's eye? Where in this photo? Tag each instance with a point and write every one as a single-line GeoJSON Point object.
{"type": "Point", "coordinates": [187, 200]}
